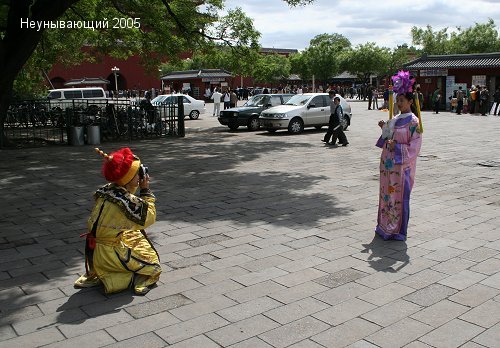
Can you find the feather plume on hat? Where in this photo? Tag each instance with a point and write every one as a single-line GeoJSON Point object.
{"type": "Point", "coordinates": [402, 82]}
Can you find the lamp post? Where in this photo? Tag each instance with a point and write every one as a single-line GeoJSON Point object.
{"type": "Point", "coordinates": [162, 82]}
{"type": "Point", "coordinates": [115, 71]}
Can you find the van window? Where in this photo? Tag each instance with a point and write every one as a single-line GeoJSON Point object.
{"type": "Point", "coordinates": [92, 93]}
{"type": "Point", "coordinates": [76, 94]}
{"type": "Point", "coordinates": [55, 95]}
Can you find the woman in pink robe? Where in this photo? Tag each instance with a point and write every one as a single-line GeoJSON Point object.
{"type": "Point", "coordinates": [400, 145]}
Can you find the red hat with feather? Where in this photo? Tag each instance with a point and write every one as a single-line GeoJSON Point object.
{"type": "Point", "coordinates": [120, 166]}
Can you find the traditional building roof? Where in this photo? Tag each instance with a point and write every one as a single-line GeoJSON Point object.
{"type": "Point", "coordinates": [456, 61]}
{"type": "Point", "coordinates": [87, 81]}
{"type": "Point", "coordinates": [194, 74]}
{"type": "Point", "coordinates": [285, 51]}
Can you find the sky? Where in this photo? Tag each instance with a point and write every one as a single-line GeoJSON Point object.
{"type": "Point", "coordinates": [385, 22]}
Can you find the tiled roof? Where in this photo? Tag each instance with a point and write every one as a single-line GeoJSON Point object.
{"type": "Point", "coordinates": [278, 50]}
{"type": "Point", "coordinates": [456, 61]}
{"type": "Point", "coordinates": [193, 74]}
{"type": "Point", "coordinates": [87, 81]}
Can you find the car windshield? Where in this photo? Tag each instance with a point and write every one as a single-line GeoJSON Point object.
{"type": "Point", "coordinates": [298, 100]}
{"type": "Point", "coordinates": [256, 100]}
{"type": "Point", "coordinates": [159, 99]}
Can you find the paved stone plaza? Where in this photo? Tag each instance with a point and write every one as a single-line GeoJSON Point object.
{"type": "Point", "coordinates": [266, 240]}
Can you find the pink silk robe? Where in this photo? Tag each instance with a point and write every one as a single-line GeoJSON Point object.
{"type": "Point", "coordinates": [397, 175]}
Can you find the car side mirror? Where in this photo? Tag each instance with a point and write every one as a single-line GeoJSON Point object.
{"type": "Point", "coordinates": [311, 106]}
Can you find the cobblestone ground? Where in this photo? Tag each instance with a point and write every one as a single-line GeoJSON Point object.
{"type": "Point", "coordinates": [266, 240]}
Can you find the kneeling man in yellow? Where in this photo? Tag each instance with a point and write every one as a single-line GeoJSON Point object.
{"type": "Point", "coordinates": [118, 252]}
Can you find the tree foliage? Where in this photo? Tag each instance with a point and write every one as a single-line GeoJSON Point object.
{"type": "Point", "coordinates": [271, 68]}
{"type": "Point", "coordinates": [299, 66]}
{"type": "Point", "coordinates": [398, 56]}
{"type": "Point", "coordinates": [366, 59]}
{"type": "Point", "coordinates": [480, 38]}
{"type": "Point", "coordinates": [167, 28]}
{"type": "Point", "coordinates": [321, 58]}
{"type": "Point", "coordinates": [239, 61]}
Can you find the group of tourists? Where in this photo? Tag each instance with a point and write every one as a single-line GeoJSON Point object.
{"type": "Point", "coordinates": [476, 100]}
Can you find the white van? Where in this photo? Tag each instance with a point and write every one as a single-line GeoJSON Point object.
{"type": "Point", "coordinates": [67, 97]}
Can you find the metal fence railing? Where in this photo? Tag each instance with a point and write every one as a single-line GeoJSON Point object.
{"type": "Point", "coordinates": [44, 121]}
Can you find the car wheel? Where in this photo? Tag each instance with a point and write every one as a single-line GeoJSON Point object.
{"type": "Point", "coordinates": [194, 114]}
{"type": "Point", "coordinates": [233, 126]}
{"type": "Point", "coordinates": [348, 123]}
{"type": "Point", "coordinates": [296, 126]}
{"type": "Point", "coordinates": [253, 124]}
{"type": "Point", "coordinates": [318, 127]}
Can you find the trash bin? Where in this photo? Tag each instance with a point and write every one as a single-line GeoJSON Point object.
{"type": "Point", "coordinates": [93, 135]}
{"type": "Point", "coordinates": [76, 136]}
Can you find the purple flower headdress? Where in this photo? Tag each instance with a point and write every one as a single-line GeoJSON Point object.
{"type": "Point", "coordinates": [402, 83]}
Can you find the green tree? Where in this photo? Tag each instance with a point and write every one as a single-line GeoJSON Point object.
{"type": "Point", "coordinates": [299, 66]}
{"type": "Point", "coordinates": [480, 38]}
{"type": "Point", "coordinates": [432, 42]}
{"type": "Point", "coordinates": [167, 27]}
{"type": "Point", "coordinates": [322, 55]}
{"type": "Point", "coordinates": [271, 68]}
{"type": "Point", "coordinates": [366, 59]}
{"type": "Point", "coordinates": [398, 56]}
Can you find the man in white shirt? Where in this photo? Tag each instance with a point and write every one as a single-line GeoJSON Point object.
{"type": "Point", "coordinates": [216, 98]}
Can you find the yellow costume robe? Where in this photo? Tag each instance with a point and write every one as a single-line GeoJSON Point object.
{"type": "Point", "coordinates": [118, 252]}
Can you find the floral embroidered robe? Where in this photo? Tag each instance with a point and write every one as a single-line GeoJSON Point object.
{"type": "Point", "coordinates": [397, 175]}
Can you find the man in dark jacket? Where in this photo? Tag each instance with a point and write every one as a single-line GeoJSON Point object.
{"type": "Point", "coordinates": [484, 101]}
{"type": "Point", "coordinates": [369, 94]}
{"type": "Point", "coordinates": [335, 124]}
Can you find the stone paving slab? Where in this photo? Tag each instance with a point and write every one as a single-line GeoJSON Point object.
{"type": "Point", "coordinates": [266, 240]}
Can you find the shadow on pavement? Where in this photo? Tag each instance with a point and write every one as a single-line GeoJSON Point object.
{"type": "Point", "coordinates": [386, 256]}
{"type": "Point", "coordinates": [197, 180]}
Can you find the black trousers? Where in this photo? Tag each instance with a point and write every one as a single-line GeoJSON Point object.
{"type": "Point", "coordinates": [335, 133]}
{"type": "Point", "coordinates": [436, 107]}
{"type": "Point", "coordinates": [460, 106]}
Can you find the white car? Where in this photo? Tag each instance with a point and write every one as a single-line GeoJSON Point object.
{"type": "Point", "coordinates": [300, 111]}
{"type": "Point", "coordinates": [192, 107]}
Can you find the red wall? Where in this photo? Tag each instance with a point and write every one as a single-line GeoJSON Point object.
{"type": "Point", "coordinates": [133, 75]}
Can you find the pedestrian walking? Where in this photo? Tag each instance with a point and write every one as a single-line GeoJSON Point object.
{"type": "Point", "coordinates": [370, 96]}
{"type": "Point", "coordinates": [336, 123]}
{"type": "Point", "coordinates": [400, 142]}
{"type": "Point", "coordinates": [437, 100]}
{"type": "Point", "coordinates": [375, 99]}
{"type": "Point", "coordinates": [216, 97]}
{"type": "Point", "coordinates": [484, 101]}
{"type": "Point", "coordinates": [460, 100]}
{"type": "Point", "coordinates": [473, 98]}
{"type": "Point", "coordinates": [118, 253]}
{"type": "Point", "coordinates": [496, 99]}
{"type": "Point", "coordinates": [227, 99]}
{"type": "Point", "coordinates": [233, 99]}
